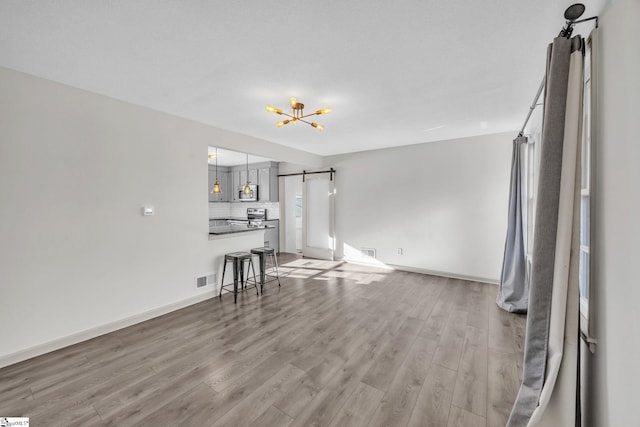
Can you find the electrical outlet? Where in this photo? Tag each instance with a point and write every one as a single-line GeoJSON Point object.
{"type": "Point", "coordinates": [399, 251]}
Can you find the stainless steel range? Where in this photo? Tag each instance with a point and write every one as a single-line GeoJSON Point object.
{"type": "Point", "coordinates": [256, 216]}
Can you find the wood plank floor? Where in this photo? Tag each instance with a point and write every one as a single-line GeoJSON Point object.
{"type": "Point", "coordinates": [337, 345]}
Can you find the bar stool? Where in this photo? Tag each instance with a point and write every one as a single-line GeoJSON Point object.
{"type": "Point", "coordinates": [239, 259]}
{"type": "Point", "coordinates": [263, 253]}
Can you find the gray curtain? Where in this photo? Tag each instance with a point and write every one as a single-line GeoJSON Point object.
{"type": "Point", "coordinates": [547, 396]}
{"type": "Point", "coordinates": [513, 293]}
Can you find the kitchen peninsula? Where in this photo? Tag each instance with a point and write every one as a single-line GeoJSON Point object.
{"type": "Point", "coordinates": [255, 222]}
{"type": "Point", "coordinates": [221, 230]}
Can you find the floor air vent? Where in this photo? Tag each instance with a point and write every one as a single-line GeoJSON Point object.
{"type": "Point", "coordinates": [369, 252]}
{"type": "Point", "coordinates": [205, 280]}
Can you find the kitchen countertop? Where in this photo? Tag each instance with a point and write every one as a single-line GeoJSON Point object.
{"type": "Point", "coordinates": [227, 218]}
{"type": "Point", "coordinates": [236, 218]}
{"type": "Point", "coordinates": [235, 228]}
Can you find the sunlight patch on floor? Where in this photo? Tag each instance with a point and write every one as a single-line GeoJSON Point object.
{"type": "Point", "coordinates": [312, 263]}
{"type": "Point", "coordinates": [358, 277]}
{"type": "Point", "coordinates": [298, 273]}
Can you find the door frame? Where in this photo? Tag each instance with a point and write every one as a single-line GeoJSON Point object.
{"type": "Point", "coordinates": [313, 252]}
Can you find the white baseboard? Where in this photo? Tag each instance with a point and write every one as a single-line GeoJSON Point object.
{"type": "Point", "coordinates": [444, 274]}
{"type": "Point", "coordinates": [425, 271]}
{"type": "Point", "coordinates": [88, 334]}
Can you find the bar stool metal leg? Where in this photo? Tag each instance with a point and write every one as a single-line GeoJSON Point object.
{"type": "Point", "coordinates": [248, 261]}
{"type": "Point", "coordinates": [254, 273]}
{"type": "Point", "coordinates": [224, 268]}
{"type": "Point", "coordinates": [237, 264]}
{"type": "Point", "coordinates": [275, 260]}
{"type": "Point", "coordinates": [263, 270]}
{"type": "Point", "coordinates": [245, 280]}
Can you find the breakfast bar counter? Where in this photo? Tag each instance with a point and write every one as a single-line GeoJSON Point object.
{"type": "Point", "coordinates": [222, 230]}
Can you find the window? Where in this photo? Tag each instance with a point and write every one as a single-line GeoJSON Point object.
{"type": "Point", "coordinates": [531, 162]}
{"type": "Point", "coordinates": [585, 187]}
{"type": "Point", "coordinates": [586, 190]}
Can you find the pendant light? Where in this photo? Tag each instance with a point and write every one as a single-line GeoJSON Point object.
{"type": "Point", "coordinates": [216, 186]}
{"type": "Point", "coordinates": [247, 189]}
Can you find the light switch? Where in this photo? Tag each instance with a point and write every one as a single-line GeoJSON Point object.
{"type": "Point", "coordinates": [148, 211]}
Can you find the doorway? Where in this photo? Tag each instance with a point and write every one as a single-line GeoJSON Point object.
{"type": "Point", "coordinates": [306, 203]}
{"type": "Point", "coordinates": [291, 206]}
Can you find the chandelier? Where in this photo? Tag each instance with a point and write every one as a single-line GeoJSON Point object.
{"type": "Point", "coordinates": [298, 114]}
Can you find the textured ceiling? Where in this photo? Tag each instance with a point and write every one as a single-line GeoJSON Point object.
{"type": "Point", "coordinates": [395, 73]}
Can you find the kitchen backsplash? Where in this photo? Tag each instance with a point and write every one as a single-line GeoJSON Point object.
{"type": "Point", "coordinates": [219, 210]}
{"type": "Point", "coordinates": [239, 210]}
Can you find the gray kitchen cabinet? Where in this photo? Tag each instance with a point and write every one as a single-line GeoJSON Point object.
{"type": "Point", "coordinates": [240, 179]}
{"type": "Point", "coordinates": [265, 175]}
{"type": "Point", "coordinates": [235, 183]}
{"type": "Point", "coordinates": [223, 180]}
{"type": "Point", "coordinates": [275, 184]}
{"type": "Point", "coordinates": [253, 176]}
{"type": "Point", "coordinates": [264, 181]}
{"type": "Point", "coordinates": [268, 181]}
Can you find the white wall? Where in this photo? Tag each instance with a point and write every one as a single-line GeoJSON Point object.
{"type": "Point", "coordinates": [444, 203]}
{"type": "Point", "coordinates": [76, 255]}
{"type": "Point", "coordinates": [614, 371]}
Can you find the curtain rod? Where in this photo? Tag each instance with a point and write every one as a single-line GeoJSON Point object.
{"type": "Point", "coordinates": [533, 106]}
{"type": "Point", "coordinates": [565, 32]}
{"type": "Point", "coordinates": [303, 173]}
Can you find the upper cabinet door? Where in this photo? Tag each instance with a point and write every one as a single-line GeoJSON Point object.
{"type": "Point", "coordinates": [253, 175]}
{"type": "Point", "coordinates": [263, 174]}
{"type": "Point", "coordinates": [223, 178]}
{"type": "Point", "coordinates": [274, 192]}
{"type": "Point", "coordinates": [264, 180]}
{"type": "Point", "coordinates": [235, 183]}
